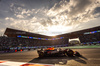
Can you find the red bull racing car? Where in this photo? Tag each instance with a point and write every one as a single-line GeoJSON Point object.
{"type": "Point", "coordinates": [56, 52]}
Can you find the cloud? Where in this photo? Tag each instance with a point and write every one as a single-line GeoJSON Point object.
{"type": "Point", "coordinates": [19, 16]}
{"type": "Point", "coordinates": [80, 6]}
{"type": "Point", "coordinates": [63, 15]}
{"type": "Point", "coordinates": [77, 11]}
{"type": "Point", "coordinates": [7, 18]}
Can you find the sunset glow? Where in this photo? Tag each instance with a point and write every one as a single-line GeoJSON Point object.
{"type": "Point", "coordinates": [49, 17]}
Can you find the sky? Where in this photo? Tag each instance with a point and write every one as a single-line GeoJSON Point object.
{"type": "Point", "coordinates": [49, 17]}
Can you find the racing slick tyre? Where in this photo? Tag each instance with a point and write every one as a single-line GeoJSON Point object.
{"type": "Point", "coordinates": [41, 54]}
{"type": "Point", "coordinates": [70, 53]}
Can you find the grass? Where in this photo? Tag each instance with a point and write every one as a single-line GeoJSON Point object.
{"type": "Point", "coordinates": [88, 46]}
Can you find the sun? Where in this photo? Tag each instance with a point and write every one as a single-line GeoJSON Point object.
{"type": "Point", "coordinates": [57, 29]}
{"type": "Point", "coordinates": [59, 26]}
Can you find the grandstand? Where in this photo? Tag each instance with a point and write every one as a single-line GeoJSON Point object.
{"type": "Point", "coordinates": [17, 38]}
{"type": "Point", "coordinates": [31, 39]}
{"type": "Point", "coordinates": [86, 36]}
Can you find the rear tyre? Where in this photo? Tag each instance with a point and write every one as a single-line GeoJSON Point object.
{"type": "Point", "coordinates": [41, 55]}
{"type": "Point", "coordinates": [70, 53]}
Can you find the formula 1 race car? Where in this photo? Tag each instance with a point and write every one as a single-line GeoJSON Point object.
{"type": "Point", "coordinates": [49, 52]}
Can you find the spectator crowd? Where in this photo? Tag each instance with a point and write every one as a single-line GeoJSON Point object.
{"type": "Point", "coordinates": [27, 42]}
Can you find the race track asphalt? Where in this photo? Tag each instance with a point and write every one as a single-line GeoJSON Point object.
{"type": "Point", "coordinates": [90, 57]}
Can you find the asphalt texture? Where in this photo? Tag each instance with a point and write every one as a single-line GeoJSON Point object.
{"type": "Point", "coordinates": [90, 57]}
